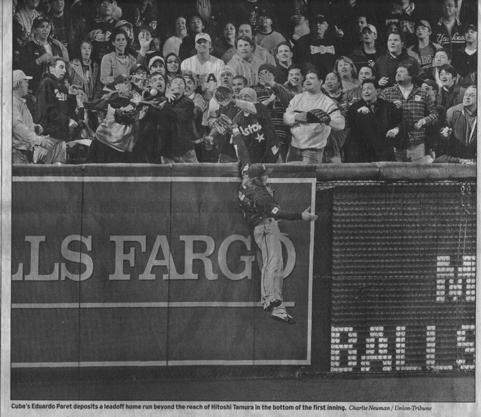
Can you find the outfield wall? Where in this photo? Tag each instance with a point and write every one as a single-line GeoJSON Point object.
{"type": "Point", "coordinates": [116, 266]}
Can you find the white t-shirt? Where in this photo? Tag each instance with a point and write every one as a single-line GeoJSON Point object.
{"type": "Point", "coordinates": [212, 66]}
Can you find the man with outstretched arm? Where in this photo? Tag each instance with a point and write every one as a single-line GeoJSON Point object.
{"type": "Point", "coordinates": [262, 213]}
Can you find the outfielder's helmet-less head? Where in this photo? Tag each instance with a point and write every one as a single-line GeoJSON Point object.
{"type": "Point", "coordinates": [257, 170]}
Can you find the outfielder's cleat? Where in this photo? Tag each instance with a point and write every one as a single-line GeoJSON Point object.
{"type": "Point", "coordinates": [284, 317]}
{"type": "Point", "coordinates": [269, 305]}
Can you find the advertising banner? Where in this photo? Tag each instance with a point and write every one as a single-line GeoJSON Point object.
{"type": "Point", "coordinates": [157, 268]}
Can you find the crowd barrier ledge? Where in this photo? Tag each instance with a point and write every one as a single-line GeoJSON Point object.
{"type": "Point", "coordinates": [325, 172]}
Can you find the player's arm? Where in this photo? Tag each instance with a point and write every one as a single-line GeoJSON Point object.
{"type": "Point", "coordinates": [265, 203]}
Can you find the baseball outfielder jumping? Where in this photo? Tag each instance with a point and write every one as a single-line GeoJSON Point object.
{"type": "Point", "coordinates": [262, 212]}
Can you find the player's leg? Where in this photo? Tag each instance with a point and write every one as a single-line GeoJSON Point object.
{"type": "Point", "coordinates": [267, 238]}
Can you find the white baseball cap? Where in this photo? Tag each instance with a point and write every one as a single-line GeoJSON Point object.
{"type": "Point", "coordinates": [19, 75]}
{"type": "Point", "coordinates": [205, 36]}
{"type": "Point", "coordinates": [372, 28]}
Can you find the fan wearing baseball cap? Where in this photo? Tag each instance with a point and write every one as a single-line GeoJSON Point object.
{"type": "Point", "coordinates": [203, 64]}
{"type": "Point", "coordinates": [262, 212]}
{"type": "Point", "coordinates": [37, 51]}
{"type": "Point", "coordinates": [423, 50]}
{"type": "Point", "coordinates": [187, 46]}
{"type": "Point", "coordinates": [28, 144]}
{"type": "Point", "coordinates": [366, 53]}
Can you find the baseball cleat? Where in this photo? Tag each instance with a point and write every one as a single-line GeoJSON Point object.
{"type": "Point", "coordinates": [284, 317]}
{"type": "Point", "coordinates": [269, 305]}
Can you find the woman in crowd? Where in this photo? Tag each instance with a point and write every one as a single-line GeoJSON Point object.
{"type": "Point", "coordinates": [38, 51]}
{"type": "Point", "coordinates": [120, 62]}
{"type": "Point", "coordinates": [84, 73]}
{"type": "Point", "coordinates": [347, 73]}
{"type": "Point", "coordinates": [172, 66]}
{"type": "Point", "coordinates": [224, 46]}
{"type": "Point", "coordinates": [128, 28]}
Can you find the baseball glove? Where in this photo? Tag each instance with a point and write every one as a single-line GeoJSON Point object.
{"type": "Point", "coordinates": [223, 124]}
{"type": "Point", "coordinates": [318, 116]}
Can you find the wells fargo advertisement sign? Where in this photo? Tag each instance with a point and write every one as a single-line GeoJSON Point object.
{"type": "Point", "coordinates": [156, 267]}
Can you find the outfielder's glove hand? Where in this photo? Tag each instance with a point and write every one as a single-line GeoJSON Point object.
{"type": "Point", "coordinates": [318, 116]}
{"type": "Point", "coordinates": [223, 124]}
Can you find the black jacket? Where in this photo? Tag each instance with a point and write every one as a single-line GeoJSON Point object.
{"type": "Point", "coordinates": [32, 51]}
{"type": "Point", "coordinates": [367, 141]}
{"type": "Point", "coordinates": [176, 127]}
{"type": "Point", "coordinates": [257, 135]}
{"type": "Point", "coordinates": [54, 107]}
{"type": "Point", "coordinates": [257, 203]}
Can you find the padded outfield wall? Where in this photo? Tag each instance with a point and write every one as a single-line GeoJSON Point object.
{"type": "Point", "coordinates": [153, 266]}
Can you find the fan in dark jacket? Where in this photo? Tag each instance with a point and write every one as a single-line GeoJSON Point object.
{"type": "Point", "coordinates": [373, 122]}
{"type": "Point", "coordinates": [55, 107]}
{"type": "Point", "coordinates": [175, 127]}
{"type": "Point", "coordinates": [149, 142]}
{"type": "Point", "coordinates": [459, 135]}
{"type": "Point", "coordinates": [319, 48]}
{"type": "Point", "coordinates": [255, 131]}
{"type": "Point", "coordinates": [387, 64]}
{"type": "Point", "coordinates": [36, 53]}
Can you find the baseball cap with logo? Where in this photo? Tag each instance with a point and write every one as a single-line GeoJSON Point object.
{"type": "Point", "coordinates": [19, 75]}
{"type": "Point", "coordinates": [204, 36]}
{"type": "Point", "coordinates": [257, 170]}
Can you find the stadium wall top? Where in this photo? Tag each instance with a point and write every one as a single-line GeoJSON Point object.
{"type": "Point", "coordinates": [328, 172]}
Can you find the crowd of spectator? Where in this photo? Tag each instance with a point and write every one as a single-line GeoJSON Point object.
{"type": "Point", "coordinates": [163, 81]}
